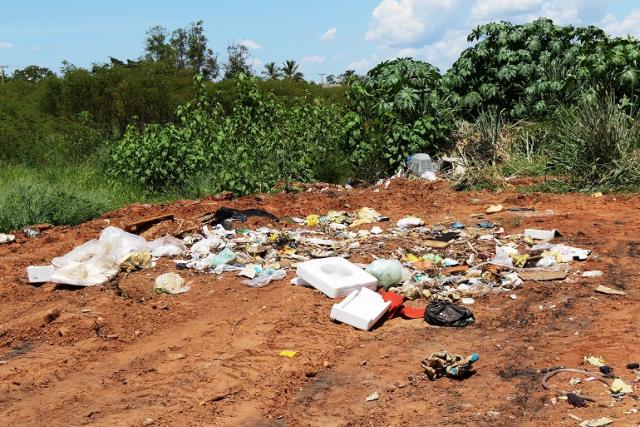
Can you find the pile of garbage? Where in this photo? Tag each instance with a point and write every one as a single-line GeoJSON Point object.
{"type": "Point", "coordinates": [443, 263]}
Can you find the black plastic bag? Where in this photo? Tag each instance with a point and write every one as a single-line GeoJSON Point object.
{"type": "Point", "coordinates": [445, 313]}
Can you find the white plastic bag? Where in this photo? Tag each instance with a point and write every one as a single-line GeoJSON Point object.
{"type": "Point", "coordinates": [265, 277]}
{"type": "Point", "coordinates": [388, 272]}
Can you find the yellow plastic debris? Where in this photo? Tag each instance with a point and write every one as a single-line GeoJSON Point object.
{"type": "Point", "coordinates": [366, 216]}
{"type": "Point", "coordinates": [288, 353]}
{"type": "Point", "coordinates": [595, 361]}
{"type": "Point", "coordinates": [410, 258]}
{"type": "Point", "coordinates": [597, 194]}
{"type": "Point", "coordinates": [312, 220]}
{"type": "Point", "coordinates": [519, 260]}
{"type": "Point", "coordinates": [619, 386]}
{"type": "Point", "coordinates": [494, 209]}
{"type": "Point", "coordinates": [135, 261]}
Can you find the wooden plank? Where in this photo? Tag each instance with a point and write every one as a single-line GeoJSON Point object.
{"type": "Point", "coordinates": [138, 225]}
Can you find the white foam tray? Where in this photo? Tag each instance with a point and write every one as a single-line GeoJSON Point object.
{"type": "Point", "coordinates": [335, 276]}
{"type": "Point", "coordinates": [361, 309]}
{"type": "Point", "coordinates": [40, 273]}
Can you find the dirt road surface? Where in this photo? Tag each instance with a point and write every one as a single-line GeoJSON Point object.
{"type": "Point", "coordinates": [126, 356]}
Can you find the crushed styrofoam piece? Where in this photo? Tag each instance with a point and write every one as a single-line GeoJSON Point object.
{"type": "Point", "coordinates": [376, 230]}
{"type": "Point", "coordinates": [409, 222]}
{"type": "Point", "coordinates": [40, 273]}
{"type": "Point", "coordinates": [592, 273]}
{"type": "Point", "coordinates": [565, 253]}
{"type": "Point", "coordinates": [297, 281]}
{"type": "Point", "coordinates": [335, 276]}
{"type": "Point", "coordinates": [361, 309]}
{"type": "Point", "coordinates": [546, 261]}
{"type": "Point", "coordinates": [6, 238]}
{"type": "Point", "coordinates": [503, 256]}
{"type": "Point", "coordinates": [544, 235]}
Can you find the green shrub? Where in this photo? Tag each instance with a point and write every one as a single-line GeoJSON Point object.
{"type": "Point", "coordinates": [258, 143]}
{"type": "Point", "coordinates": [400, 108]}
{"type": "Point", "coordinates": [597, 145]}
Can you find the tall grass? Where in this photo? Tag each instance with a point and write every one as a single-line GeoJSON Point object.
{"type": "Point", "coordinates": [597, 146]}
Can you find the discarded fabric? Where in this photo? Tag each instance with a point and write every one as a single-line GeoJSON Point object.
{"type": "Point", "coordinates": [443, 363]}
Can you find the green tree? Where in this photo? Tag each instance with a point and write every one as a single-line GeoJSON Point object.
{"type": "Point", "coordinates": [291, 70]}
{"type": "Point", "coordinates": [238, 62]}
{"type": "Point", "coordinates": [32, 73]}
{"type": "Point", "coordinates": [271, 71]}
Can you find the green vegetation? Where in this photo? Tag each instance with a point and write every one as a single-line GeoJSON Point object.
{"type": "Point", "coordinates": [528, 100]}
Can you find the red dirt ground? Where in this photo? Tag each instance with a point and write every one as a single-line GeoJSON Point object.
{"type": "Point", "coordinates": [210, 356]}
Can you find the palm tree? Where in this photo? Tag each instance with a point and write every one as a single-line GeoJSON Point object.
{"type": "Point", "coordinates": [271, 71]}
{"type": "Point", "coordinates": [291, 70]}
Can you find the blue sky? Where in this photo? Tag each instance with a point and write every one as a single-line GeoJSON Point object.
{"type": "Point", "coordinates": [327, 36]}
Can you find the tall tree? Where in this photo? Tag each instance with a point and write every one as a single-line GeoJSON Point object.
{"type": "Point", "coordinates": [239, 61]}
{"type": "Point", "coordinates": [186, 48]}
{"type": "Point", "coordinates": [291, 70]}
{"type": "Point", "coordinates": [32, 73]}
{"type": "Point", "coordinates": [156, 45]}
{"type": "Point", "coordinates": [271, 71]}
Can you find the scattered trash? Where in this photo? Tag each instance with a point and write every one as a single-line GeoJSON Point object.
{"type": "Point", "coordinates": [606, 370]}
{"type": "Point", "coordinates": [372, 397]}
{"type": "Point", "coordinates": [633, 365]}
{"type": "Point", "coordinates": [576, 400]}
{"type": "Point", "coordinates": [335, 276]}
{"type": "Point", "coordinates": [224, 257]}
{"type": "Point", "coordinates": [609, 291]}
{"type": "Point", "coordinates": [388, 272]}
{"type": "Point", "coordinates": [544, 235]}
{"type": "Point", "coordinates": [420, 163]}
{"type": "Point", "coordinates": [223, 214]}
{"type": "Point", "coordinates": [135, 261]}
{"type": "Point", "coordinates": [361, 309]}
{"type": "Point", "coordinates": [288, 353]}
{"type": "Point", "coordinates": [595, 361]}
{"type": "Point", "coordinates": [563, 253]}
{"type": "Point", "coordinates": [592, 273]}
{"type": "Point", "coordinates": [595, 375]}
{"type": "Point", "coordinates": [619, 386]}
{"type": "Point", "coordinates": [170, 283]}
{"type": "Point", "coordinates": [597, 194]}
{"type": "Point", "coordinates": [445, 313]}
{"type": "Point", "coordinates": [40, 273]}
{"type": "Point", "coordinates": [6, 238]}
{"type": "Point", "coordinates": [443, 363]}
{"type": "Point", "coordinates": [367, 216]}
{"type": "Point", "coordinates": [457, 225]}
{"type": "Point", "coordinates": [98, 261]}
{"type": "Point", "coordinates": [494, 209]}
{"type": "Point", "coordinates": [31, 232]}
{"type": "Point", "coordinates": [600, 422]}
{"type": "Point", "coordinates": [265, 277]}
{"type": "Point", "coordinates": [467, 301]}
{"type": "Point", "coordinates": [486, 224]}
{"type": "Point", "coordinates": [409, 222]}
{"type": "Point", "coordinates": [376, 230]}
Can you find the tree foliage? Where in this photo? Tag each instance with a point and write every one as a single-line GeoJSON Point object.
{"type": "Point", "coordinates": [530, 70]}
{"type": "Point", "coordinates": [399, 109]}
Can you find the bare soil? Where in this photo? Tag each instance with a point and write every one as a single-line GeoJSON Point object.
{"type": "Point", "coordinates": [120, 354]}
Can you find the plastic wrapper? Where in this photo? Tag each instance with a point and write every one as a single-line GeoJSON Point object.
{"type": "Point", "coordinates": [388, 272]}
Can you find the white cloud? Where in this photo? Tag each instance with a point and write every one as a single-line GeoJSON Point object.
{"type": "Point", "coordinates": [628, 25]}
{"type": "Point", "coordinates": [365, 64]}
{"type": "Point", "coordinates": [6, 45]}
{"type": "Point", "coordinates": [405, 22]}
{"type": "Point", "coordinates": [250, 44]}
{"type": "Point", "coordinates": [436, 30]}
{"type": "Point", "coordinates": [314, 58]}
{"type": "Point", "coordinates": [255, 62]}
{"type": "Point", "coordinates": [329, 35]}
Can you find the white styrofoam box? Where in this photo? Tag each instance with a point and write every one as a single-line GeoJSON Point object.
{"type": "Point", "coordinates": [40, 273]}
{"type": "Point", "coordinates": [335, 276]}
{"type": "Point", "coordinates": [361, 309]}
